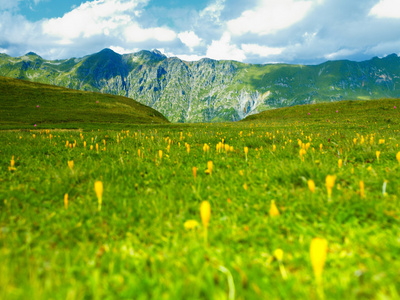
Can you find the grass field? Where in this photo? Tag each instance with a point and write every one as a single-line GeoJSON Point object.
{"type": "Point", "coordinates": [25, 104]}
{"type": "Point", "coordinates": [137, 243]}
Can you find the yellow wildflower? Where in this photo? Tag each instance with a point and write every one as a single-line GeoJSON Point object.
{"type": "Point", "coordinates": [98, 188]}
{"type": "Point", "coordinates": [318, 251]}
{"type": "Point", "coordinates": [66, 201]}
{"type": "Point", "coordinates": [362, 190]}
{"type": "Point", "coordinates": [311, 185]}
{"type": "Point", "coordinates": [330, 183]}
{"type": "Point", "coordinates": [191, 224]}
{"type": "Point", "coordinates": [273, 211]}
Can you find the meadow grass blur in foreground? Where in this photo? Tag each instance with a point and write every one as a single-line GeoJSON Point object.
{"type": "Point", "coordinates": [278, 209]}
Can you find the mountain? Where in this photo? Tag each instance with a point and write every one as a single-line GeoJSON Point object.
{"type": "Point", "coordinates": [209, 90]}
{"type": "Point", "coordinates": [24, 103]}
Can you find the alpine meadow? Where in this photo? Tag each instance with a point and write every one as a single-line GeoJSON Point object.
{"type": "Point", "coordinates": [103, 198]}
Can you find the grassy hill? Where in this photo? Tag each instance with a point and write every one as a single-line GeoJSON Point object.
{"type": "Point", "coordinates": [342, 113]}
{"type": "Point", "coordinates": [209, 90]}
{"type": "Point", "coordinates": [24, 104]}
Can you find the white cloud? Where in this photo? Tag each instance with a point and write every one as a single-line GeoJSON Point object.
{"type": "Point", "coordinates": [341, 54]}
{"type": "Point", "coordinates": [91, 18]}
{"type": "Point", "coordinates": [223, 49]}
{"type": "Point", "coordinates": [386, 9]}
{"type": "Point", "coordinates": [134, 33]}
{"type": "Point", "coordinates": [122, 50]}
{"type": "Point", "coordinates": [214, 10]}
{"type": "Point", "coordinates": [190, 39]}
{"type": "Point", "coordinates": [193, 57]}
{"type": "Point", "coordinates": [9, 4]}
{"type": "Point", "coordinates": [262, 51]}
{"type": "Point", "coordinates": [270, 17]}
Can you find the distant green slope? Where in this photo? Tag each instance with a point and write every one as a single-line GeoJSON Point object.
{"type": "Point", "coordinates": [356, 114]}
{"type": "Point", "coordinates": [24, 104]}
{"type": "Point", "coordinates": [209, 90]}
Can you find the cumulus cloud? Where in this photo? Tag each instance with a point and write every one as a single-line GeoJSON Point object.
{"type": "Point", "coordinates": [386, 9]}
{"type": "Point", "coordinates": [269, 17]}
{"type": "Point", "coordinates": [213, 11]}
{"type": "Point", "coordinates": [224, 49]}
{"type": "Point", "coordinates": [190, 39]}
{"type": "Point", "coordinates": [90, 18]}
{"type": "Point", "coordinates": [255, 31]}
{"type": "Point", "coordinates": [261, 51]}
{"type": "Point", "coordinates": [134, 33]}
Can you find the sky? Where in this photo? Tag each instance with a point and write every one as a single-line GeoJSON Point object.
{"type": "Point", "coordinates": [251, 31]}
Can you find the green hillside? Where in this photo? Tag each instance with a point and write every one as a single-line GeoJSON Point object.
{"type": "Point", "coordinates": [24, 104]}
{"type": "Point", "coordinates": [342, 113]}
{"type": "Point", "coordinates": [209, 90]}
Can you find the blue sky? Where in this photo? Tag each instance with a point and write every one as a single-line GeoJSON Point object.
{"type": "Point", "coordinates": [251, 31]}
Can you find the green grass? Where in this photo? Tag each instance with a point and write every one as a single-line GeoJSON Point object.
{"type": "Point", "coordinates": [136, 247]}
{"type": "Point", "coordinates": [67, 108]}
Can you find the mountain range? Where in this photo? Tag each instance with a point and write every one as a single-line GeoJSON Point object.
{"type": "Point", "coordinates": [209, 90]}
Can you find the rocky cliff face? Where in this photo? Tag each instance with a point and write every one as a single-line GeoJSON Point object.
{"type": "Point", "coordinates": [209, 90]}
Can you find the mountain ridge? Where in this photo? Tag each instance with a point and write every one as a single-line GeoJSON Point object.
{"type": "Point", "coordinates": [210, 90]}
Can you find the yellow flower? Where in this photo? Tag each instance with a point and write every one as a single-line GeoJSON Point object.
{"type": "Point", "coordinates": [273, 148]}
{"type": "Point", "coordinates": [227, 148]}
{"type": "Point", "coordinates": [205, 213]}
{"type": "Point", "coordinates": [71, 164]}
{"type": "Point", "coordinates": [194, 172]}
{"type": "Point", "coordinates": [191, 224]}
{"type": "Point", "coordinates": [246, 150]}
{"type": "Point", "coordinates": [12, 164]}
{"type": "Point", "coordinates": [66, 201]}
{"type": "Point", "coordinates": [160, 154]}
{"type": "Point", "coordinates": [362, 191]}
{"type": "Point", "coordinates": [273, 211]}
{"type": "Point", "coordinates": [278, 253]}
{"type": "Point", "coordinates": [398, 157]}
{"type": "Point", "coordinates": [378, 153]}
{"type": "Point", "coordinates": [302, 152]}
{"type": "Point", "coordinates": [98, 188]}
{"type": "Point", "coordinates": [340, 162]}
{"type": "Point", "coordinates": [209, 167]}
{"type": "Point", "coordinates": [311, 185]}
{"type": "Point", "coordinates": [245, 186]}
{"type": "Point", "coordinates": [318, 251]}
{"type": "Point", "coordinates": [330, 183]}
